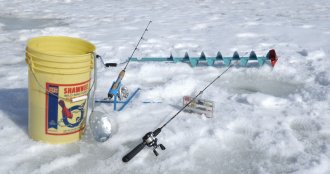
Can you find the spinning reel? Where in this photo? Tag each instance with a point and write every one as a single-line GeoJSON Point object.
{"type": "Point", "coordinates": [116, 89]}
{"type": "Point", "coordinates": [118, 93]}
{"type": "Point", "coordinates": [123, 93]}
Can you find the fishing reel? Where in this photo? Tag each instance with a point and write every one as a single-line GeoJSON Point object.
{"type": "Point", "coordinates": [123, 93]}
{"type": "Point", "coordinates": [151, 141]}
{"type": "Point", "coordinates": [118, 94]}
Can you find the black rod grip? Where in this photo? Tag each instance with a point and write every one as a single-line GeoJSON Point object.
{"type": "Point", "coordinates": [132, 153]}
{"type": "Point", "coordinates": [157, 131]}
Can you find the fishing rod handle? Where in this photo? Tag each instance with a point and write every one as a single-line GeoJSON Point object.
{"type": "Point", "coordinates": [116, 84]}
{"type": "Point", "coordinates": [132, 153]}
{"type": "Point", "coordinates": [120, 77]}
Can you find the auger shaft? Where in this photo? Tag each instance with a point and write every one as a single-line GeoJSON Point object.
{"type": "Point", "coordinates": [271, 55]}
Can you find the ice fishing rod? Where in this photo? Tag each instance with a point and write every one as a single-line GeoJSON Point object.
{"type": "Point", "coordinates": [150, 139]}
{"type": "Point", "coordinates": [122, 72]}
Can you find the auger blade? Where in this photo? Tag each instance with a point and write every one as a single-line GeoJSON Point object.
{"type": "Point", "coordinates": [271, 56]}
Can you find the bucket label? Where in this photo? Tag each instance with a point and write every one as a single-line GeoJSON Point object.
{"type": "Point", "coordinates": [64, 117]}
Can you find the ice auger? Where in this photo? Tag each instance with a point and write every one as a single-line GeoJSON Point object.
{"type": "Point", "coordinates": [270, 56]}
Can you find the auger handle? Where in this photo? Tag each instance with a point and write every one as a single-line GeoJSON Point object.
{"type": "Point", "coordinates": [105, 64]}
{"type": "Point", "coordinates": [111, 64]}
{"type": "Point", "coordinates": [132, 153]}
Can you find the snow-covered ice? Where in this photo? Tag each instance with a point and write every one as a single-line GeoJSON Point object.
{"type": "Point", "coordinates": [266, 121]}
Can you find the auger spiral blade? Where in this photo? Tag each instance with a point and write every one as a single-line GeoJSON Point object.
{"type": "Point", "coordinates": [211, 61]}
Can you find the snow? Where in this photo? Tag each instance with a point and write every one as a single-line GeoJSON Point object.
{"type": "Point", "coordinates": [266, 120]}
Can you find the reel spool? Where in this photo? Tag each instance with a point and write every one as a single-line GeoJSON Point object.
{"type": "Point", "coordinates": [123, 93]}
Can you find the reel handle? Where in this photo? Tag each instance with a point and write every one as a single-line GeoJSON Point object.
{"type": "Point", "coordinates": [132, 153]}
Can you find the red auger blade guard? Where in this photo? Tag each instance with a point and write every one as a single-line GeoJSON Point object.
{"type": "Point", "coordinates": [272, 56]}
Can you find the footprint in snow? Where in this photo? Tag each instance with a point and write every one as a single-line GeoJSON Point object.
{"type": "Point", "coordinates": [305, 128]}
{"type": "Point", "coordinates": [307, 131]}
{"type": "Point", "coordinates": [303, 52]}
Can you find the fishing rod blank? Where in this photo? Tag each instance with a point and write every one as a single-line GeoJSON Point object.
{"type": "Point", "coordinates": [122, 72]}
{"type": "Point", "coordinates": [150, 139]}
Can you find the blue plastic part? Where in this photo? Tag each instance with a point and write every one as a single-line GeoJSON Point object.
{"type": "Point", "coordinates": [114, 92]}
{"type": "Point", "coordinates": [244, 60]}
{"type": "Point", "coordinates": [176, 59]}
{"type": "Point", "coordinates": [261, 60]}
{"type": "Point", "coordinates": [128, 99]}
{"type": "Point", "coordinates": [115, 102]}
{"type": "Point", "coordinates": [193, 61]}
{"type": "Point", "coordinates": [227, 61]}
{"type": "Point", "coordinates": [150, 102]}
{"type": "Point", "coordinates": [210, 60]}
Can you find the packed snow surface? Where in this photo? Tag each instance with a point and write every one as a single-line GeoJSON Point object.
{"type": "Point", "coordinates": [266, 121]}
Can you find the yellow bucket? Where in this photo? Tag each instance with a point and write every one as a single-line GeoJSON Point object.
{"type": "Point", "coordinates": [59, 71]}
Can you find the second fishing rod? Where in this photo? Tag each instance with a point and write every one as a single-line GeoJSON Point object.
{"type": "Point", "coordinates": [150, 140]}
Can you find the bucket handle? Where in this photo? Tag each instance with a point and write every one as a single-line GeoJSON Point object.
{"type": "Point", "coordinates": [29, 61]}
{"type": "Point", "coordinates": [94, 82]}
